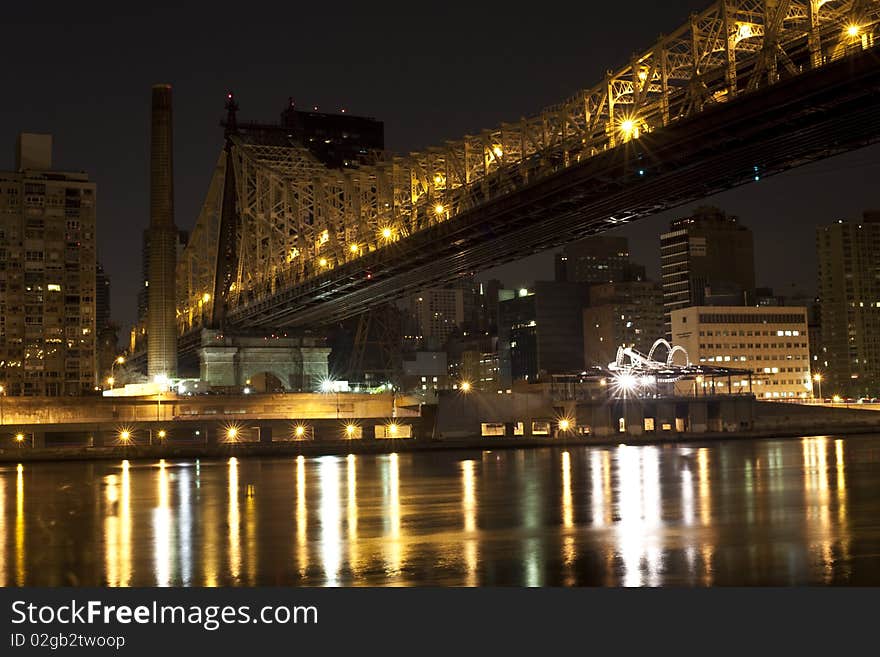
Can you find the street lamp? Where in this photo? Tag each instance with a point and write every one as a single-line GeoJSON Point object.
{"type": "Point", "coordinates": [818, 379]}
{"type": "Point", "coordinates": [118, 361]}
{"type": "Point", "coordinates": [465, 386]}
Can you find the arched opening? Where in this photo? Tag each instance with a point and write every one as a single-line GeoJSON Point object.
{"type": "Point", "coordinates": [265, 382]}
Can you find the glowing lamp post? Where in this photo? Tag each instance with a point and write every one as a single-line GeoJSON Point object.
{"type": "Point", "coordinates": [111, 379]}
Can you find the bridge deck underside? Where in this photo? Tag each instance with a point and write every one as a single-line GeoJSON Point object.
{"type": "Point", "coordinates": [813, 116]}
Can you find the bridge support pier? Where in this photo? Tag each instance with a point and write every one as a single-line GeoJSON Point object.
{"type": "Point", "coordinates": [265, 364]}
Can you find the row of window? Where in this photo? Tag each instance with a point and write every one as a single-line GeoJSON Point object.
{"type": "Point", "coordinates": [742, 318]}
{"type": "Point", "coordinates": [778, 333]}
{"type": "Point", "coordinates": [751, 345]}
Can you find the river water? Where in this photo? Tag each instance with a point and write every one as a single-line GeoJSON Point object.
{"type": "Point", "coordinates": [743, 512]}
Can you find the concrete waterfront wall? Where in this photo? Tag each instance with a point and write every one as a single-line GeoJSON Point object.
{"type": "Point", "coordinates": [74, 410]}
{"type": "Point", "coordinates": [469, 414]}
{"type": "Point", "coordinates": [776, 415]}
{"type": "Point", "coordinates": [209, 433]}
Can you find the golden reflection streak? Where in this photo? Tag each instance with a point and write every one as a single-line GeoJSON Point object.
{"type": "Point", "coordinates": [251, 539]}
{"type": "Point", "coordinates": [469, 512]}
{"type": "Point", "coordinates": [842, 502]}
{"type": "Point", "coordinates": [597, 492]}
{"type": "Point", "coordinates": [639, 510]}
{"type": "Point", "coordinates": [708, 552]}
{"type": "Point", "coordinates": [687, 496]}
{"type": "Point", "coordinates": [19, 525]}
{"type": "Point", "coordinates": [212, 529]}
{"type": "Point", "coordinates": [3, 530]}
{"type": "Point", "coordinates": [184, 524]}
{"type": "Point", "coordinates": [568, 550]}
{"type": "Point", "coordinates": [302, 551]}
{"type": "Point", "coordinates": [392, 488]}
{"type": "Point", "coordinates": [353, 553]}
{"type": "Point", "coordinates": [567, 509]}
{"type": "Point", "coordinates": [125, 527]}
{"type": "Point", "coordinates": [841, 481]}
{"type": "Point", "coordinates": [331, 519]}
{"type": "Point", "coordinates": [162, 529]}
{"type": "Point", "coordinates": [606, 486]}
{"type": "Point", "coordinates": [111, 531]}
{"type": "Point", "coordinates": [233, 519]}
{"type": "Point", "coordinates": [817, 497]}
{"type": "Point", "coordinates": [705, 494]}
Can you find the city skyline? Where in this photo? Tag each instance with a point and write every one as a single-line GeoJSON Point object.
{"type": "Point", "coordinates": [784, 209]}
{"type": "Point", "coordinates": [439, 297]}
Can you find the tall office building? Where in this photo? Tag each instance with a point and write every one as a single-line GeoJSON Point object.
{"type": "Point", "coordinates": [47, 276]}
{"type": "Point", "coordinates": [706, 259]}
{"type": "Point", "coordinates": [621, 314]}
{"type": "Point", "coordinates": [541, 331]}
{"type": "Point", "coordinates": [599, 259]}
{"type": "Point", "coordinates": [849, 306]}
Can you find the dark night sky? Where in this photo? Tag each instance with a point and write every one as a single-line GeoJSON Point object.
{"type": "Point", "coordinates": [430, 71]}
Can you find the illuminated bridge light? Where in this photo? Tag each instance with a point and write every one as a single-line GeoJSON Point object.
{"type": "Point", "coordinates": [387, 233]}
{"type": "Point", "coordinates": [439, 208]}
{"type": "Point", "coordinates": [354, 248]}
{"type": "Point", "coordinates": [323, 262]}
{"type": "Point", "coordinates": [853, 30]}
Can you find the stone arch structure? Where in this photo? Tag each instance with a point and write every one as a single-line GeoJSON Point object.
{"type": "Point", "coordinates": [267, 381]}
{"type": "Point", "coordinates": [298, 363]}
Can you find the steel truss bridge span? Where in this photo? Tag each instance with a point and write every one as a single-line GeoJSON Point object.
{"type": "Point", "coordinates": [745, 90]}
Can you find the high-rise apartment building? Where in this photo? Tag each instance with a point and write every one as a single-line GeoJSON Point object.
{"type": "Point", "coordinates": [849, 306]}
{"type": "Point", "coordinates": [706, 259]}
{"type": "Point", "coordinates": [47, 276]}
{"type": "Point", "coordinates": [102, 299]}
{"type": "Point", "coordinates": [436, 313]}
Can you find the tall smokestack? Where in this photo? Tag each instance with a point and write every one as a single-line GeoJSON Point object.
{"type": "Point", "coordinates": [161, 296]}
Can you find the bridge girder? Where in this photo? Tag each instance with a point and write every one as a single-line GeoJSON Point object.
{"type": "Point", "coordinates": [300, 222]}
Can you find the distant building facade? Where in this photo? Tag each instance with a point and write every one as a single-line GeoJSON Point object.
{"type": "Point", "coordinates": [706, 259]}
{"type": "Point", "coordinates": [771, 342]}
{"type": "Point", "coordinates": [541, 331]}
{"type": "Point", "coordinates": [48, 302]}
{"type": "Point", "coordinates": [599, 259]}
{"type": "Point", "coordinates": [621, 314]}
{"type": "Point", "coordinates": [849, 306]}
{"type": "Point", "coordinates": [107, 340]}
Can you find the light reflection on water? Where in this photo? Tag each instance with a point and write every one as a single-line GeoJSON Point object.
{"type": "Point", "coordinates": [736, 513]}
